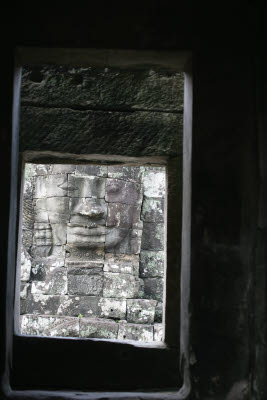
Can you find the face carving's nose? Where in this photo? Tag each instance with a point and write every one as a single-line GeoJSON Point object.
{"type": "Point", "coordinates": [92, 211]}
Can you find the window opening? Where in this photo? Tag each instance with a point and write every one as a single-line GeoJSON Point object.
{"type": "Point", "coordinates": [92, 257]}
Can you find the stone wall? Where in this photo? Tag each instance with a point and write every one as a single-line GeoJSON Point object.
{"type": "Point", "coordinates": [92, 261]}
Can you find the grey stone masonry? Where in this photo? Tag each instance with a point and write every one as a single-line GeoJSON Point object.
{"type": "Point", "coordinates": [92, 257]}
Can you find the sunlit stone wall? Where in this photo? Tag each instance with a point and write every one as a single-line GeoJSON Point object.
{"type": "Point", "coordinates": [92, 258]}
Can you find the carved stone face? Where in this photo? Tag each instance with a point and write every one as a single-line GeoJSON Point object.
{"type": "Point", "coordinates": [103, 211]}
{"type": "Point", "coordinates": [88, 211]}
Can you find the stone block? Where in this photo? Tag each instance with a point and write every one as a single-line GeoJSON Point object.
{"type": "Point", "coordinates": [25, 265]}
{"type": "Point", "coordinates": [92, 170]}
{"type": "Point", "coordinates": [133, 134]}
{"type": "Point", "coordinates": [151, 264]}
{"type": "Point", "coordinates": [120, 191]}
{"type": "Point", "coordinates": [140, 311]}
{"type": "Point", "coordinates": [83, 236]}
{"type": "Point", "coordinates": [55, 282]}
{"type": "Point", "coordinates": [112, 308]}
{"type": "Point", "coordinates": [98, 328]}
{"type": "Point", "coordinates": [87, 306]}
{"type": "Point", "coordinates": [84, 253]}
{"type": "Point", "coordinates": [123, 241]}
{"type": "Point", "coordinates": [24, 290]}
{"type": "Point", "coordinates": [152, 210]}
{"type": "Point", "coordinates": [141, 333]}
{"type": "Point", "coordinates": [27, 237]}
{"type": "Point", "coordinates": [88, 211]}
{"type": "Point", "coordinates": [62, 169]}
{"type": "Point", "coordinates": [51, 186]}
{"type": "Point", "coordinates": [49, 326]}
{"type": "Point", "coordinates": [127, 173]}
{"type": "Point", "coordinates": [123, 263]}
{"type": "Point", "coordinates": [159, 312]}
{"type": "Point", "coordinates": [153, 288]}
{"type": "Point", "coordinates": [39, 169]}
{"type": "Point", "coordinates": [122, 285]}
{"type": "Point", "coordinates": [109, 88]}
{"type": "Point", "coordinates": [43, 304]}
{"type": "Point", "coordinates": [40, 267]}
{"type": "Point", "coordinates": [153, 236]}
{"type": "Point", "coordinates": [52, 252]}
{"type": "Point", "coordinates": [28, 217]}
{"type": "Point", "coordinates": [158, 332]}
{"type": "Point", "coordinates": [86, 186]}
{"type": "Point", "coordinates": [52, 210]}
{"type": "Point", "coordinates": [91, 285]}
{"type": "Point", "coordinates": [124, 216]}
{"type": "Point", "coordinates": [42, 234]}
{"type": "Point", "coordinates": [46, 234]}
{"type": "Point", "coordinates": [154, 181]}
{"type": "Point", "coordinates": [84, 267]}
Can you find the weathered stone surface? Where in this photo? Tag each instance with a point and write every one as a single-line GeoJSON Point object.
{"type": "Point", "coordinates": [122, 285]}
{"type": "Point", "coordinates": [52, 252]}
{"type": "Point", "coordinates": [141, 311]}
{"type": "Point", "coordinates": [89, 132]}
{"type": "Point", "coordinates": [84, 253]}
{"type": "Point", "coordinates": [151, 264]}
{"type": "Point", "coordinates": [130, 173]}
{"type": "Point", "coordinates": [98, 328]}
{"type": "Point", "coordinates": [55, 282]}
{"type": "Point", "coordinates": [24, 290]}
{"type": "Point", "coordinates": [84, 267]}
{"type": "Point", "coordinates": [159, 312]}
{"type": "Point", "coordinates": [92, 170]}
{"type": "Point", "coordinates": [120, 191]}
{"type": "Point", "coordinates": [152, 210]}
{"type": "Point", "coordinates": [62, 168]}
{"type": "Point", "coordinates": [123, 263]}
{"type": "Point", "coordinates": [44, 304]}
{"type": "Point", "coordinates": [25, 265]}
{"type": "Point", "coordinates": [51, 186]}
{"type": "Point", "coordinates": [63, 305]}
{"type": "Point", "coordinates": [151, 89]}
{"type": "Point", "coordinates": [51, 169]}
{"type": "Point", "coordinates": [154, 182]}
{"type": "Point", "coordinates": [112, 308]}
{"type": "Point", "coordinates": [124, 216]}
{"type": "Point", "coordinates": [141, 333]}
{"type": "Point", "coordinates": [123, 241]}
{"type": "Point", "coordinates": [39, 169]}
{"type": "Point", "coordinates": [49, 326]}
{"type": "Point", "coordinates": [84, 236]}
{"type": "Point", "coordinates": [88, 212]}
{"type": "Point", "coordinates": [28, 217]}
{"type": "Point", "coordinates": [46, 234]}
{"type": "Point", "coordinates": [27, 237]}
{"type": "Point", "coordinates": [86, 306]}
{"type": "Point", "coordinates": [91, 285]}
{"type": "Point", "coordinates": [42, 234]}
{"type": "Point", "coordinates": [158, 332]}
{"type": "Point", "coordinates": [153, 236]}
{"type": "Point", "coordinates": [86, 186]}
{"type": "Point", "coordinates": [40, 267]}
{"type": "Point", "coordinates": [52, 210]}
{"type": "Point", "coordinates": [153, 288]}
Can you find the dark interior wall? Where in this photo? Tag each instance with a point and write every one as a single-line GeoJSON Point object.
{"type": "Point", "coordinates": [228, 328]}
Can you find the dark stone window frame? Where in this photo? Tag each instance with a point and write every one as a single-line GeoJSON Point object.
{"type": "Point", "coordinates": [132, 367]}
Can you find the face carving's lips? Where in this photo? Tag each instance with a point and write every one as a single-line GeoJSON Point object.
{"type": "Point", "coordinates": [79, 230]}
